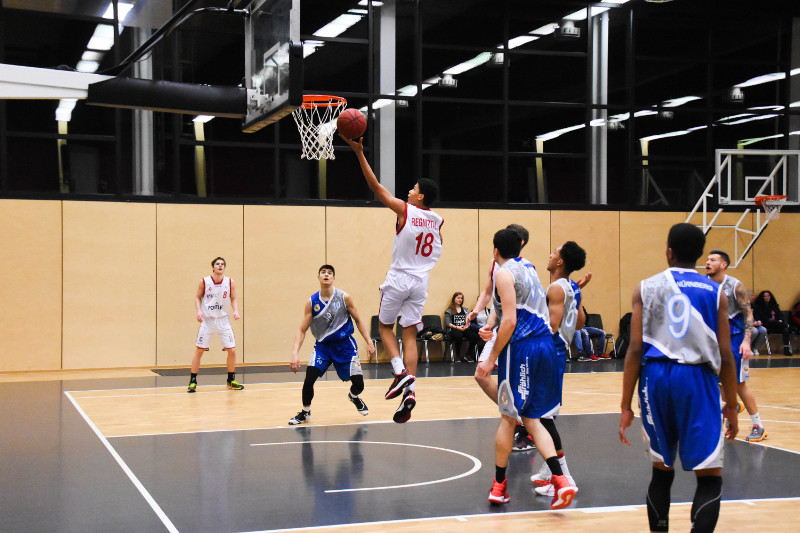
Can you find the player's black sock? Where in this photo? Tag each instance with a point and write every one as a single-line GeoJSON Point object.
{"type": "Point", "coordinates": [193, 379]}
{"type": "Point", "coordinates": [658, 499]}
{"type": "Point", "coordinates": [554, 466]}
{"type": "Point", "coordinates": [231, 376]}
{"type": "Point", "coordinates": [550, 425]}
{"type": "Point", "coordinates": [705, 507]}
{"type": "Point", "coordinates": [500, 473]}
{"type": "Point", "coordinates": [312, 374]}
{"type": "Point", "coordinates": [357, 385]}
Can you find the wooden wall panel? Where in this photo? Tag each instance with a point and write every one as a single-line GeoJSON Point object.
{"type": "Point", "coordinates": [598, 233]}
{"type": "Point", "coordinates": [188, 238]}
{"type": "Point", "coordinates": [537, 251]}
{"type": "Point", "coordinates": [776, 260]}
{"type": "Point", "coordinates": [109, 285]}
{"type": "Point", "coordinates": [31, 242]}
{"type": "Point", "coordinates": [643, 249]}
{"type": "Point", "coordinates": [283, 248]}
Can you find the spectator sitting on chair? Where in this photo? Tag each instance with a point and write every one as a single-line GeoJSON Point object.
{"type": "Point", "coordinates": [583, 342]}
{"type": "Point", "coordinates": [455, 321]}
{"type": "Point", "coordinates": [758, 335]}
{"type": "Point", "coordinates": [767, 311]}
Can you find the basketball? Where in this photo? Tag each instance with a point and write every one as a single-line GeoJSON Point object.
{"type": "Point", "coordinates": [351, 123]}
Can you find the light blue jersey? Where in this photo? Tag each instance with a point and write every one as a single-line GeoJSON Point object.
{"type": "Point", "coordinates": [533, 317]}
{"type": "Point", "coordinates": [569, 318]}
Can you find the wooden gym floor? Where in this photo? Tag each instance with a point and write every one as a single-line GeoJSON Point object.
{"type": "Point", "coordinates": [130, 450]}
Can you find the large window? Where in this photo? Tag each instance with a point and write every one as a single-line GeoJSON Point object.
{"type": "Point", "coordinates": [500, 102]}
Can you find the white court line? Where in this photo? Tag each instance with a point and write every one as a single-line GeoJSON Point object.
{"type": "Point", "coordinates": [143, 491]}
{"type": "Point", "coordinates": [786, 408]}
{"type": "Point", "coordinates": [365, 422]}
{"type": "Point", "coordinates": [476, 464]}
{"type": "Point", "coordinates": [465, 518]}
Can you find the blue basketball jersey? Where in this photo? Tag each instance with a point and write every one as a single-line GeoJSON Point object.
{"type": "Point", "coordinates": [679, 318]}
{"type": "Point", "coordinates": [533, 317]}
{"type": "Point", "coordinates": [330, 321]}
{"type": "Point", "coordinates": [569, 318]}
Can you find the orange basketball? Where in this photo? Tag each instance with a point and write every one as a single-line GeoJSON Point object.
{"type": "Point", "coordinates": [351, 123]}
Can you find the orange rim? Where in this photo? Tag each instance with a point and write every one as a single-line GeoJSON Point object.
{"type": "Point", "coordinates": [311, 101]}
{"type": "Point", "coordinates": [761, 200]}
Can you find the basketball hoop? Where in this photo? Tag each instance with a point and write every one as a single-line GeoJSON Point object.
{"type": "Point", "coordinates": [771, 204]}
{"type": "Point", "coordinates": [316, 121]}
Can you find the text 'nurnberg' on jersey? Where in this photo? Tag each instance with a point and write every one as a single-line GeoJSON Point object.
{"type": "Point", "coordinates": [418, 242]}
{"type": "Point", "coordinates": [679, 318]}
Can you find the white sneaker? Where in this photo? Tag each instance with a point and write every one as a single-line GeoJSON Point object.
{"type": "Point", "coordinates": [542, 477]}
{"type": "Point", "coordinates": [548, 489]}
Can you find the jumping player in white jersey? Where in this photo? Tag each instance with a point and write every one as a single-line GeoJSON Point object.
{"type": "Point", "coordinates": [680, 350]}
{"type": "Point", "coordinates": [566, 316]}
{"type": "Point", "coordinates": [740, 317]}
{"type": "Point", "coordinates": [215, 294]}
{"type": "Point", "coordinates": [528, 384]}
{"type": "Point", "coordinates": [330, 314]}
{"type": "Point", "coordinates": [417, 247]}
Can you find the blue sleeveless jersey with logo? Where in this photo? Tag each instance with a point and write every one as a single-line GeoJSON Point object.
{"type": "Point", "coordinates": [332, 326]}
{"type": "Point", "coordinates": [678, 387]}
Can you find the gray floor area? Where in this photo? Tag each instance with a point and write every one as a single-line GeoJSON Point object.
{"type": "Point", "coordinates": [57, 475]}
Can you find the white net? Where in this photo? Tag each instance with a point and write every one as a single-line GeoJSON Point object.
{"type": "Point", "coordinates": [316, 122]}
{"type": "Point", "coordinates": [772, 208]}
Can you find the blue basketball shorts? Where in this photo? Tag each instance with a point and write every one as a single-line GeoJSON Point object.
{"type": "Point", "coordinates": [529, 382]}
{"type": "Point", "coordinates": [681, 413]}
{"type": "Point", "coordinates": [342, 354]}
{"type": "Point", "coordinates": [742, 367]}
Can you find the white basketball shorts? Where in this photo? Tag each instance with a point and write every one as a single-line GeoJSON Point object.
{"type": "Point", "coordinates": [403, 294]}
{"type": "Point", "coordinates": [221, 326]}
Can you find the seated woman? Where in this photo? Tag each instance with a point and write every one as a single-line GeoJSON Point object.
{"type": "Point", "coordinates": [758, 335]}
{"type": "Point", "coordinates": [455, 322]}
{"type": "Point", "coordinates": [767, 311]}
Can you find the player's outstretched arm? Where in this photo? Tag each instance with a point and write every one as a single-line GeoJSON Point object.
{"type": "Point", "coordinates": [386, 198]}
{"type": "Point", "coordinates": [198, 300]}
{"type": "Point", "coordinates": [633, 366]}
{"type": "Point", "coordinates": [300, 336]}
{"type": "Point", "coordinates": [744, 302]}
{"type": "Point", "coordinates": [234, 302]}
{"type": "Point", "coordinates": [727, 371]}
{"type": "Point", "coordinates": [584, 281]}
{"type": "Point", "coordinates": [362, 327]}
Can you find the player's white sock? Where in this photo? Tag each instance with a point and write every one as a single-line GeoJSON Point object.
{"type": "Point", "coordinates": [756, 419]}
{"type": "Point", "coordinates": [563, 462]}
{"type": "Point", "coordinates": [397, 365]}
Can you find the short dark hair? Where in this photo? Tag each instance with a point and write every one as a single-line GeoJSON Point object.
{"type": "Point", "coordinates": [687, 242]}
{"type": "Point", "coordinates": [523, 233]}
{"type": "Point", "coordinates": [508, 243]}
{"type": "Point", "coordinates": [429, 191]}
{"type": "Point", "coordinates": [574, 256]}
{"type": "Point", "coordinates": [725, 257]}
{"type": "Point", "coordinates": [217, 259]}
{"type": "Point", "coordinates": [329, 267]}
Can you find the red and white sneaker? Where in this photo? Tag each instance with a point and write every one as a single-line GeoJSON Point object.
{"type": "Point", "coordinates": [403, 413]}
{"type": "Point", "coordinates": [593, 357]}
{"type": "Point", "coordinates": [564, 492]}
{"type": "Point", "coordinates": [498, 493]}
{"type": "Point", "coordinates": [401, 381]}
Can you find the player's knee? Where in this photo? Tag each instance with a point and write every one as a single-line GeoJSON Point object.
{"type": "Point", "coordinates": [658, 494]}
{"type": "Point", "coordinates": [356, 385]}
{"type": "Point", "coordinates": [705, 507]}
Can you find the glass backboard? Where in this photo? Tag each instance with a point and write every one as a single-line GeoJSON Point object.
{"type": "Point", "coordinates": [273, 62]}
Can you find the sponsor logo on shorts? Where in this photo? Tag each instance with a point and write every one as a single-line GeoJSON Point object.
{"type": "Point", "coordinates": [522, 388]}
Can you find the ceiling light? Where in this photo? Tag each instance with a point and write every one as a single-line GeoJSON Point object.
{"type": "Point", "coordinates": [338, 26]}
{"type": "Point", "coordinates": [92, 56]}
{"type": "Point", "coordinates": [203, 118]}
{"type": "Point", "coordinates": [374, 3]}
{"type": "Point", "coordinates": [103, 38]}
{"type": "Point", "coordinates": [547, 29]}
{"type": "Point", "coordinates": [764, 78]}
{"type": "Point", "coordinates": [735, 95]}
{"type": "Point", "coordinates": [87, 66]}
{"type": "Point", "coordinates": [568, 30]}
{"type": "Point", "coordinates": [676, 102]}
{"type": "Point", "coordinates": [64, 110]}
{"type": "Point", "coordinates": [479, 59]}
{"type": "Point", "coordinates": [519, 41]}
{"type": "Point", "coordinates": [448, 81]}
{"type": "Point", "coordinates": [581, 14]}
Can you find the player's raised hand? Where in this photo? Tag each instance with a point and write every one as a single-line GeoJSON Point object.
{"type": "Point", "coordinates": [357, 146]}
{"type": "Point", "coordinates": [625, 420]}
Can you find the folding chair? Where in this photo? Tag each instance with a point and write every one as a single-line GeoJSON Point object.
{"type": "Point", "coordinates": [593, 320]}
{"type": "Point", "coordinates": [433, 321]}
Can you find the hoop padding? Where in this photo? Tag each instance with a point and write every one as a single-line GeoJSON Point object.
{"type": "Point", "coordinates": [771, 204]}
{"type": "Point", "coordinates": [316, 122]}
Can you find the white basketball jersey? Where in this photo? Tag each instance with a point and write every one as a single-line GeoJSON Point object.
{"type": "Point", "coordinates": [217, 297]}
{"type": "Point", "coordinates": [418, 242]}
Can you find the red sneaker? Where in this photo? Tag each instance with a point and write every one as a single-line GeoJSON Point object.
{"type": "Point", "coordinates": [564, 492]}
{"type": "Point", "coordinates": [593, 357]}
{"type": "Point", "coordinates": [498, 493]}
{"type": "Point", "coordinates": [605, 356]}
{"type": "Point", "coordinates": [401, 381]}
